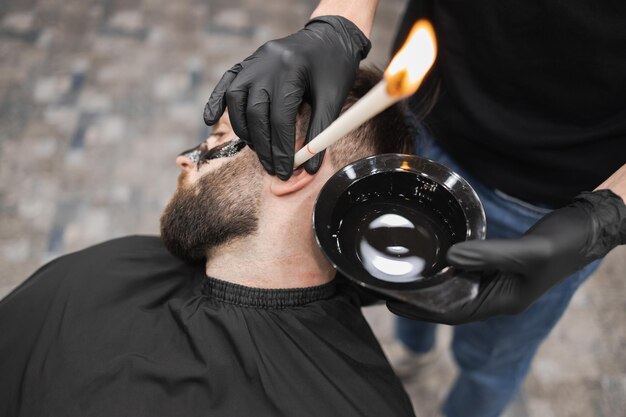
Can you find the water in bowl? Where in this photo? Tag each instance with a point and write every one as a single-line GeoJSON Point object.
{"type": "Point", "coordinates": [395, 240]}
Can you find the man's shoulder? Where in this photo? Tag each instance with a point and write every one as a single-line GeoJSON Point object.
{"type": "Point", "coordinates": [134, 244]}
{"type": "Point", "coordinates": [110, 267]}
{"type": "Point", "coordinates": [127, 250]}
{"type": "Point", "coordinates": [127, 258]}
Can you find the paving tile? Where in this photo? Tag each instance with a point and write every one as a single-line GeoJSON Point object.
{"type": "Point", "coordinates": [51, 89]}
{"type": "Point", "coordinates": [16, 250]}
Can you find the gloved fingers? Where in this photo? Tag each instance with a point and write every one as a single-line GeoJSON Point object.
{"type": "Point", "coordinates": [283, 113]}
{"type": "Point", "coordinates": [214, 108]}
{"type": "Point", "coordinates": [408, 311]}
{"type": "Point", "coordinates": [462, 313]}
{"type": "Point", "coordinates": [324, 110]}
{"type": "Point", "coordinates": [313, 165]}
{"type": "Point", "coordinates": [237, 103]}
{"type": "Point", "coordinates": [258, 113]}
{"type": "Point", "coordinates": [515, 255]}
{"type": "Point", "coordinates": [412, 312]}
{"type": "Point", "coordinates": [501, 293]}
{"type": "Point", "coordinates": [498, 294]}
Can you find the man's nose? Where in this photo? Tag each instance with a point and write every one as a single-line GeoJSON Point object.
{"type": "Point", "coordinates": [189, 158]}
{"type": "Point", "coordinates": [184, 163]}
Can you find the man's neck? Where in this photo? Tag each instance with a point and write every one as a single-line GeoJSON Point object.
{"type": "Point", "coordinates": [269, 259]}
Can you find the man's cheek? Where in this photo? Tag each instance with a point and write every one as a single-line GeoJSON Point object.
{"type": "Point", "coordinates": [213, 165]}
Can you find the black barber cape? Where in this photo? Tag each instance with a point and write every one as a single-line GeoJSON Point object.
{"type": "Point", "coordinates": [126, 329]}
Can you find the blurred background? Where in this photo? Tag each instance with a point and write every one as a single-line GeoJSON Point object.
{"type": "Point", "coordinates": [97, 97]}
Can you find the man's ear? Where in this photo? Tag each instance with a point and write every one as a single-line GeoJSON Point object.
{"type": "Point", "coordinates": [299, 179]}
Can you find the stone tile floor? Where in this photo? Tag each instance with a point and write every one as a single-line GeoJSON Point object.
{"type": "Point", "coordinates": [98, 96]}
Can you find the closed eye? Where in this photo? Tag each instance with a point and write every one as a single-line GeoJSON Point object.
{"type": "Point", "coordinates": [223, 150]}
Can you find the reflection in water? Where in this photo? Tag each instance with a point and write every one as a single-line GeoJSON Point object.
{"type": "Point", "coordinates": [390, 220]}
{"type": "Point", "coordinates": [376, 262]}
{"type": "Point", "coordinates": [393, 242]}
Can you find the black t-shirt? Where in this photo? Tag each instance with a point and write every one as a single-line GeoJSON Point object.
{"type": "Point", "coordinates": [533, 93]}
{"type": "Point", "coordinates": [126, 329]}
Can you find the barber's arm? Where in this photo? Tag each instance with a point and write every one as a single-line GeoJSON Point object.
{"type": "Point", "coordinates": [513, 273]}
{"type": "Point", "coordinates": [317, 64]}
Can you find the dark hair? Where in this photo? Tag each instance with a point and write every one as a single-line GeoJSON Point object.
{"type": "Point", "coordinates": [388, 132]}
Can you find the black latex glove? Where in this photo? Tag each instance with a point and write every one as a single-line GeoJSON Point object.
{"type": "Point", "coordinates": [514, 273]}
{"type": "Point", "coordinates": [263, 93]}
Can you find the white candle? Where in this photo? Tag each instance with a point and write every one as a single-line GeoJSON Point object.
{"type": "Point", "coordinates": [372, 103]}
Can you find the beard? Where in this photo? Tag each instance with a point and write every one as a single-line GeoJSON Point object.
{"type": "Point", "coordinates": [222, 206]}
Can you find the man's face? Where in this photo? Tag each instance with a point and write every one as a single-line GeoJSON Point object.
{"type": "Point", "coordinates": [216, 200]}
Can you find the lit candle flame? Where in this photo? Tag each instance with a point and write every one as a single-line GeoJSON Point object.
{"type": "Point", "coordinates": [411, 63]}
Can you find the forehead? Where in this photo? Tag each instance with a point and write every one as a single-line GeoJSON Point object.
{"type": "Point", "coordinates": [223, 122]}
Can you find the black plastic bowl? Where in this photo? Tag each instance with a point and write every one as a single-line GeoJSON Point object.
{"type": "Point", "coordinates": [386, 223]}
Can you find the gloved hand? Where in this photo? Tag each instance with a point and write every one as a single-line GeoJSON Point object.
{"type": "Point", "coordinates": [514, 273]}
{"type": "Point", "coordinates": [263, 93]}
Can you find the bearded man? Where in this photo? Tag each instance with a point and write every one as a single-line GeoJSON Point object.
{"type": "Point", "coordinates": [246, 320]}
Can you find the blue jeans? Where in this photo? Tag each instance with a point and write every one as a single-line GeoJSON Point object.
{"type": "Point", "coordinates": [494, 355]}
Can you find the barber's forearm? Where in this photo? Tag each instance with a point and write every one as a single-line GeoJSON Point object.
{"type": "Point", "coordinates": [359, 12]}
{"type": "Point", "coordinates": [616, 183]}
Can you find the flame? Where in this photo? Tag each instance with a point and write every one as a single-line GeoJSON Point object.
{"type": "Point", "coordinates": [409, 66]}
